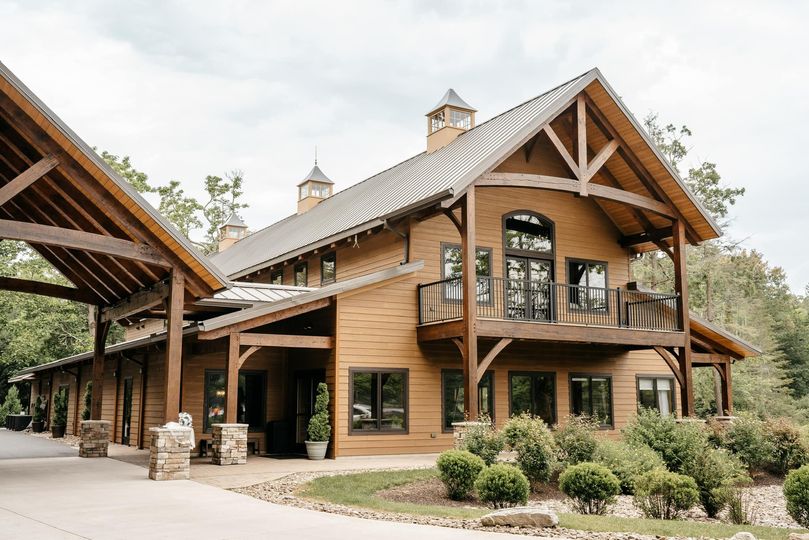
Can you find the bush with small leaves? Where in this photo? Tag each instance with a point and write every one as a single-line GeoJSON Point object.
{"type": "Point", "coordinates": [677, 443]}
{"type": "Point", "coordinates": [502, 486]}
{"type": "Point", "coordinates": [39, 410]}
{"type": "Point", "coordinates": [484, 441]}
{"type": "Point", "coordinates": [533, 443]}
{"type": "Point", "coordinates": [319, 429]}
{"type": "Point", "coordinates": [458, 470]}
{"type": "Point", "coordinates": [60, 408]}
{"type": "Point", "coordinates": [746, 438]}
{"type": "Point", "coordinates": [592, 487]}
{"type": "Point", "coordinates": [661, 494]}
{"type": "Point", "coordinates": [627, 462]}
{"type": "Point", "coordinates": [741, 508]}
{"type": "Point", "coordinates": [715, 470]}
{"type": "Point", "coordinates": [11, 405]}
{"type": "Point", "coordinates": [88, 400]}
{"type": "Point", "coordinates": [796, 492]}
{"type": "Point", "coordinates": [576, 439]}
{"type": "Point", "coordinates": [789, 449]}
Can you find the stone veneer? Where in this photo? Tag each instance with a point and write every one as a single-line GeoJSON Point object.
{"type": "Point", "coordinates": [95, 438]}
{"type": "Point", "coordinates": [229, 444]}
{"type": "Point", "coordinates": [459, 431]}
{"type": "Point", "coordinates": [170, 453]}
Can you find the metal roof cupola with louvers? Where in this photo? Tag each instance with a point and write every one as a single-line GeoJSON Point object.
{"type": "Point", "coordinates": [231, 232]}
{"type": "Point", "coordinates": [313, 189]}
{"type": "Point", "coordinates": [450, 117]}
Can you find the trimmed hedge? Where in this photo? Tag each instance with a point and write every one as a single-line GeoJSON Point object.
{"type": "Point", "coordinates": [591, 486]}
{"type": "Point", "coordinates": [796, 492]}
{"type": "Point", "coordinates": [458, 470]}
{"type": "Point", "coordinates": [678, 443]}
{"type": "Point", "coordinates": [502, 486]}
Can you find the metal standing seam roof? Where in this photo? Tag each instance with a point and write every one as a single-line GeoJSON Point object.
{"type": "Point", "coordinates": [259, 292]}
{"type": "Point", "coordinates": [422, 178]}
{"type": "Point", "coordinates": [452, 99]}
{"type": "Point", "coordinates": [317, 175]}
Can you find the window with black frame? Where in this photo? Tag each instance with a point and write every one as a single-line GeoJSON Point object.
{"type": "Point", "coordinates": [533, 392]}
{"type": "Point", "coordinates": [591, 395]}
{"type": "Point", "coordinates": [452, 267]}
{"type": "Point", "coordinates": [250, 404]}
{"type": "Point", "coordinates": [328, 268]}
{"type": "Point", "coordinates": [453, 395]}
{"type": "Point", "coordinates": [529, 268]}
{"type": "Point", "coordinates": [277, 276]}
{"type": "Point", "coordinates": [379, 401]}
{"type": "Point", "coordinates": [656, 393]}
{"type": "Point", "coordinates": [588, 280]}
{"type": "Point", "coordinates": [301, 274]}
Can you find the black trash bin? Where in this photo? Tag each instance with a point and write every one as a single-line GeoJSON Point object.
{"type": "Point", "coordinates": [17, 422]}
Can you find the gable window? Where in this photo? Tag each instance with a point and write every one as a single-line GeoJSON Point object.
{"type": "Point", "coordinates": [588, 280]}
{"type": "Point", "coordinates": [436, 121]}
{"type": "Point", "coordinates": [533, 392]}
{"type": "Point", "coordinates": [250, 404]}
{"type": "Point", "coordinates": [379, 400]}
{"type": "Point", "coordinates": [528, 232]}
{"type": "Point", "coordinates": [460, 119]}
{"type": "Point", "coordinates": [328, 268]}
{"type": "Point", "coordinates": [277, 277]}
{"type": "Point", "coordinates": [301, 274]}
{"type": "Point", "coordinates": [452, 391]}
{"type": "Point", "coordinates": [452, 266]}
{"type": "Point", "coordinates": [592, 395]}
{"type": "Point", "coordinates": [656, 393]}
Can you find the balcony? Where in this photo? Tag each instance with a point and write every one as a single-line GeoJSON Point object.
{"type": "Point", "coordinates": [557, 311]}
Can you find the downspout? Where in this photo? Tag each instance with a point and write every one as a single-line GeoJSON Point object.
{"type": "Point", "coordinates": [405, 238]}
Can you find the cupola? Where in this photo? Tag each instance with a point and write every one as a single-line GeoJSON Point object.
{"type": "Point", "coordinates": [315, 188]}
{"type": "Point", "coordinates": [448, 119]}
{"type": "Point", "coordinates": [231, 232]}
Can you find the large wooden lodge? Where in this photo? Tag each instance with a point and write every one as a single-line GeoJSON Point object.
{"type": "Point", "coordinates": [366, 289]}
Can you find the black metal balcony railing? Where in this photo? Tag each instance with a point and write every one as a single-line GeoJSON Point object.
{"type": "Point", "coordinates": [537, 301]}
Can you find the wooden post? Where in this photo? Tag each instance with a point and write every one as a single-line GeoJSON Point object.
{"type": "Point", "coordinates": [142, 412]}
{"type": "Point", "coordinates": [99, 342]}
{"type": "Point", "coordinates": [77, 413]}
{"type": "Point", "coordinates": [174, 346]}
{"type": "Point", "coordinates": [469, 285]}
{"type": "Point", "coordinates": [232, 379]}
{"type": "Point", "coordinates": [727, 388]}
{"type": "Point", "coordinates": [681, 287]}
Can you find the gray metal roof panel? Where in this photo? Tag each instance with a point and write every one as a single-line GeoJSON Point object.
{"type": "Point", "coordinates": [317, 175]}
{"type": "Point", "coordinates": [452, 99]}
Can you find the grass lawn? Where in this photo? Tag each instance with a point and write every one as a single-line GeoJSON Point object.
{"type": "Point", "coordinates": [360, 490]}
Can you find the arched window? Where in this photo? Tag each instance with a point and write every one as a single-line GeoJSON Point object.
{"type": "Point", "coordinates": [528, 232]}
{"type": "Point", "coordinates": [529, 269]}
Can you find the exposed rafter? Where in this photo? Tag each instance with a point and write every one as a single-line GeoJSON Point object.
{"type": "Point", "coordinates": [27, 177]}
{"type": "Point", "coordinates": [655, 235]}
{"type": "Point", "coordinates": [140, 301]}
{"type": "Point", "coordinates": [47, 289]}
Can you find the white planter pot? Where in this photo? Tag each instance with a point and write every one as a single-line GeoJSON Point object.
{"type": "Point", "coordinates": [316, 449]}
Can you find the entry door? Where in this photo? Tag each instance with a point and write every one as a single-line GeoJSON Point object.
{"type": "Point", "coordinates": [528, 289]}
{"type": "Point", "coordinates": [126, 428]}
{"type": "Point", "coordinates": [305, 391]}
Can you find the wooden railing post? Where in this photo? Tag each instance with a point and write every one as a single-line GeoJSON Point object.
{"type": "Point", "coordinates": [469, 287]}
{"type": "Point", "coordinates": [681, 287]}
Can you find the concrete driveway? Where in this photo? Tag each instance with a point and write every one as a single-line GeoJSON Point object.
{"type": "Point", "coordinates": [71, 497]}
{"type": "Point", "coordinates": [15, 445]}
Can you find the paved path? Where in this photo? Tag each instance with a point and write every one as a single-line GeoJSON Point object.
{"type": "Point", "coordinates": [71, 497]}
{"type": "Point", "coordinates": [15, 445]}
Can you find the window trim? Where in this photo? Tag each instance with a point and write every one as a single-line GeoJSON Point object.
{"type": "Point", "coordinates": [275, 273]}
{"type": "Point", "coordinates": [324, 258]}
{"type": "Point", "coordinates": [606, 287]}
{"type": "Point", "coordinates": [655, 377]}
{"type": "Point", "coordinates": [488, 250]}
{"type": "Point", "coordinates": [305, 266]}
{"type": "Point", "coordinates": [444, 371]}
{"type": "Point", "coordinates": [590, 375]}
{"type": "Point", "coordinates": [547, 255]}
{"type": "Point", "coordinates": [531, 374]}
{"type": "Point", "coordinates": [378, 370]}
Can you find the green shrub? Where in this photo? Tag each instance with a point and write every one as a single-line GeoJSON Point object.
{"type": "Point", "coordinates": [740, 507]}
{"type": "Point", "coordinates": [789, 449]}
{"type": "Point", "coordinates": [661, 494]}
{"type": "Point", "coordinates": [591, 486]}
{"type": "Point", "coordinates": [502, 486]}
{"type": "Point", "coordinates": [39, 410]}
{"type": "Point", "coordinates": [746, 438]}
{"type": "Point", "coordinates": [11, 405]}
{"type": "Point", "coordinates": [484, 441]}
{"type": "Point", "coordinates": [458, 470]}
{"type": "Point", "coordinates": [796, 492]}
{"type": "Point", "coordinates": [60, 408]}
{"type": "Point", "coordinates": [677, 443]}
{"type": "Point", "coordinates": [88, 400]}
{"type": "Point", "coordinates": [319, 428]}
{"type": "Point", "coordinates": [715, 471]}
{"type": "Point", "coordinates": [576, 440]}
{"type": "Point", "coordinates": [533, 442]}
{"type": "Point", "coordinates": [627, 462]}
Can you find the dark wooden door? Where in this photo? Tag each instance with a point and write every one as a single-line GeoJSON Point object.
{"type": "Point", "coordinates": [126, 422]}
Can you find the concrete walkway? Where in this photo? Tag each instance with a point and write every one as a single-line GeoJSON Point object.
{"type": "Point", "coordinates": [71, 497]}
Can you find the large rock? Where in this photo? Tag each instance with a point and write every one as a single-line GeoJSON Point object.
{"type": "Point", "coordinates": [798, 536]}
{"type": "Point", "coordinates": [521, 516]}
{"type": "Point", "coordinates": [743, 535]}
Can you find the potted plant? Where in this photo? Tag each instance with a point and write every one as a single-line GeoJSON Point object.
{"type": "Point", "coordinates": [319, 428]}
{"type": "Point", "coordinates": [59, 414]}
{"type": "Point", "coordinates": [88, 400]}
{"type": "Point", "coordinates": [38, 423]}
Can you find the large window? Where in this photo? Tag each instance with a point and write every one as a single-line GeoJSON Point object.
{"type": "Point", "coordinates": [589, 280]}
{"type": "Point", "coordinates": [452, 390]}
{"type": "Point", "coordinates": [656, 393]}
{"type": "Point", "coordinates": [301, 274]}
{"type": "Point", "coordinates": [528, 232]}
{"type": "Point", "coordinates": [277, 276]}
{"type": "Point", "coordinates": [452, 265]}
{"type": "Point", "coordinates": [379, 400]}
{"type": "Point", "coordinates": [592, 395]}
{"type": "Point", "coordinates": [328, 268]}
{"type": "Point", "coordinates": [436, 121]}
{"type": "Point", "coordinates": [250, 404]}
{"type": "Point", "coordinates": [460, 119]}
{"type": "Point", "coordinates": [533, 392]}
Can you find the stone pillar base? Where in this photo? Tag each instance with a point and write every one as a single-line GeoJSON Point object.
{"type": "Point", "coordinates": [459, 431]}
{"type": "Point", "coordinates": [170, 453]}
{"type": "Point", "coordinates": [229, 444]}
{"type": "Point", "coordinates": [95, 438]}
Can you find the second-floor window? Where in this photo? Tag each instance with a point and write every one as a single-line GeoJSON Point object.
{"type": "Point", "coordinates": [588, 280]}
{"type": "Point", "coordinates": [452, 267]}
{"type": "Point", "coordinates": [301, 274]}
{"type": "Point", "coordinates": [328, 268]}
{"type": "Point", "coordinates": [277, 276]}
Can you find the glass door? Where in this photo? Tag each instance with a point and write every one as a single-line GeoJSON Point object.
{"type": "Point", "coordinates": [126, 422]}
{"type": "Point", "coordinates": [528, 288]}
{"type": "Point", "coordinates": [305, 392]}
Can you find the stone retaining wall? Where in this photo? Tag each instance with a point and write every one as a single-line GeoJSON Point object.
{"type": "Point", "coordinates": [170, 453]}
{"type": "Point", "coordinates": [95, 438]}
{"type": "Point", "coordinates": [459, 431]}
{"type": "Point", "coordinates": [229, 444]}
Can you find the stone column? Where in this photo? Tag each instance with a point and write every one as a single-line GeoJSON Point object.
{"type": "Point", "coordinates": [170, 453]}
{"type": "Point", "coordinates": [459, 430]}
{"type": "Point", "coordinates": [95, 438]}
{"type": "Point", "coordinates": [229, 444]}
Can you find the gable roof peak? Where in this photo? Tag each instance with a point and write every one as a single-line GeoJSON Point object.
{"type": "Point", "coordinates": [452, 99]}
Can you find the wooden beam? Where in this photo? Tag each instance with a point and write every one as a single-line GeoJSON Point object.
{"type": "Point", "coordinates": [27, 177]}
{"type": "Point", "coordinates": [707, 359]}
{"type": "Point", "coordinates": [136, 303]}
{"type": "Point", "coordinates": [80, 240]}
{"type": "Point", "coordinates": [681, 288]}
{"type": "Point", "coordinates": [601, 158]}
{"type": "Point", "coordinates": [654, 235]}
{"type": "Point", "coordinates": [247, 354]}
{"type": "Point", "coordinates": [469, 287]}
{"type": "Point", "coordinates": [144, 372]}
{"type": "Point", "coordinates": [453, 218]}
{"type": "Point", "coordinates": [529, 148]}
{"type": "Point", "coordinates": [262, 320]}
{"type": "Point", "coordinates": [491, 355]}
{"type": "Point", "coordinates": [459, 343]}
{"type": "Point", "coordinates": [47, 289]}
{"type": "Point", "coordinates": [560, 147]}
{"type": "Point", "coordinates": [287, 341]}
{"type": "Point", "coordinates": [672, 363]}
{"type": "Point", "coordinates": [174, 347]}
{"type": "Point", "coordinates": [101, 330]}
{"type": "Point", "coordinates": [232, 378]}
{"type": "Point", "coordinates": [581, 130]}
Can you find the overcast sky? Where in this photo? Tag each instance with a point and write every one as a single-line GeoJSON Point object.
{"type": "Point", "coordinates": [194, 88]}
